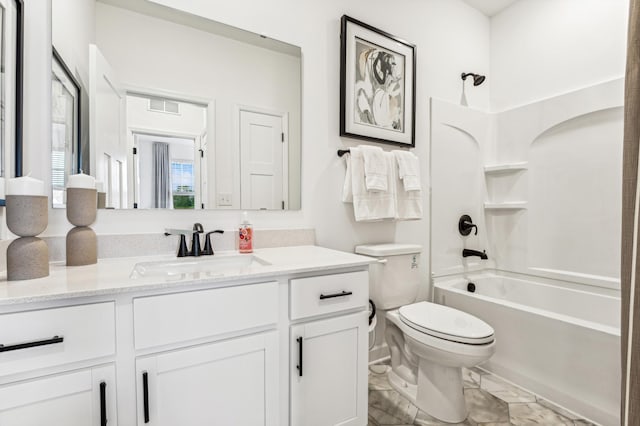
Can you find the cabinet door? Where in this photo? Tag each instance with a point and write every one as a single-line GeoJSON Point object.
{"type": "Point", "coordinates": [233, 382]}
{"type": "Point", "coordinates": [82, 398]}
{"type": "Point", "coordinates": [329, 372]}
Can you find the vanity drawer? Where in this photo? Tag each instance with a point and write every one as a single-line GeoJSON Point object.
{"type": "Point", "coordinates": [328, 293]}
{"type": "Point", "coordinates": [49, 337]}
{"type": "Point", "coordinates": [179, 317]}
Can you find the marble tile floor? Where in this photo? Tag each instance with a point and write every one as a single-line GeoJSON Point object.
{"type": "Point", "coordinates": [490, 401]}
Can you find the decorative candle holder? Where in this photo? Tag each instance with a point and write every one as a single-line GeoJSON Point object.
{"type": "Point", "coordinates": [82, 243]}
{"type": "Point", "coordinates": [27, 256]}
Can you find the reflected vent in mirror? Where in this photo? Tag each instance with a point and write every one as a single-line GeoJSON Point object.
{"type": "Point", "coordinates": [163, 105]}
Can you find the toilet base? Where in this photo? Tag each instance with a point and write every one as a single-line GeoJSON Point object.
{"type": "Point", "coordinates": [439, 391]}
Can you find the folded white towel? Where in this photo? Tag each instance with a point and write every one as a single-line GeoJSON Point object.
{"type": "Point", "coordinates": [408, 203]}
{"type": "Point", "coordinates": [368, 205]}
{"type": "Point", "coordinates": [408, 170]}
{"type": "Point", "coordinates": [376, 168]}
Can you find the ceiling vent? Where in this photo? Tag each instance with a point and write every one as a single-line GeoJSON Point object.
{"type": "Point", "coordinates": [164, 105]}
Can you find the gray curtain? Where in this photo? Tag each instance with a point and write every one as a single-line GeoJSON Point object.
{"type": "Point", "coordinates": [161, 176]}
{"type": "Point", "coordinates": [630, 409]}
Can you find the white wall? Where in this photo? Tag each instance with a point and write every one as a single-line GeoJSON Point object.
{"type": "Point", "coordinates": [73, 31]}
{"type": "Point", "coordinates": [542, 48]}
{"type": "Point", "coordinates": [451, 37]}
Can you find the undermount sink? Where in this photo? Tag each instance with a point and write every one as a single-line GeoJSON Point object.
{"type": "Point", "coordinates": [198, 267]}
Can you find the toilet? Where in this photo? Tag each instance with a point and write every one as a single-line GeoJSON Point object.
{"type": "Point", "coordinates": [429, 343]}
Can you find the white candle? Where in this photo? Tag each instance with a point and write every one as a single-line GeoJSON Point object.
{"type": "Point", "coordinates": [81, 181]}
{"type": "Point", "coordinates": [25, 186]}
{"type": "Point", "coordinates": [100, 186]}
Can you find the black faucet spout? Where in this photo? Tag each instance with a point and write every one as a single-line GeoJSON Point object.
{"type": "Point", "coordinates": [481, 254]}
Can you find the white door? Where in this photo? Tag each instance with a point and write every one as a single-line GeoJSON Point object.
{"type": "Point", "coordinates": [203, 187]}
{"type": "Point", "coordinates": [261, 161]}
{"type": "Point", "coordinates": [329, 372]}
{"type": "Point", "coordinates": [107, 126]}
{"type": "Point", "coordinates": [234, 382]}
{"type": "Point", "coordinates": [82, 398]}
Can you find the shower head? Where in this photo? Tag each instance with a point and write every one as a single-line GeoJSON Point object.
{"type": "Point", "coordinates": [477, 78]}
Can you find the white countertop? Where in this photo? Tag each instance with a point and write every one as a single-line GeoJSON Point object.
{"type": "Point", "coordinates": [111, 276]}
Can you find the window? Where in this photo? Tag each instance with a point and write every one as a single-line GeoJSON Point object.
{"type": "Point", "coordinates": [182, 184]}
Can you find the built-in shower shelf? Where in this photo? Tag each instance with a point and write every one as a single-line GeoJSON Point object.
{"type": "Point", "coordinates": [509, 205]}
{"type": "Point", "coordinates": [505, 168]}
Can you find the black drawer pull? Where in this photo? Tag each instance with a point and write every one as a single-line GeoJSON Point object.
{"type": "Point", "coordinates": [53, 340]}
{"type": "Point", "coordinates": [331, 296]}
{"type": "Point", "coordinates": [299, 366]}
{"type": "Point", "coordinates": [145, 396]}
{"type": "Point", "coordinates": [103, 404]}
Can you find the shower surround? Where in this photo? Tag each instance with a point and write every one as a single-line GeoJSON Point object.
{"type": "Point", "coordinates": [542, 182]}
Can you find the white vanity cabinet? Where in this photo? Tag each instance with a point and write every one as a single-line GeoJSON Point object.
{"type": "Point", "coordinates": [80, 398]}
{"type": "Point", "coordinates": [233, 382]}
{"type": "Point", "coordinates": [40, 356]}
{"type": "Point", "coordinates": [283, 344]}
{"type": "Point", "coordinates": [328, 373]}
{"type": "Point", "coordinates": [229, 381]}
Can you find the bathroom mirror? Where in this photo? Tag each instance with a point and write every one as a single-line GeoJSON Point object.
{"type": "Point", "coordinates": [11, 65]}
{"type": "Point", "coordinates": [173, 111]}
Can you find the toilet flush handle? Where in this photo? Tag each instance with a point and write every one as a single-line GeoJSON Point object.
{"type": "Point", "coordinates": [383, 261]}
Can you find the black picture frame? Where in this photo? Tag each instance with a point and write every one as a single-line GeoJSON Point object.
{"type": "Point", "coordinates": [377, 85]}
{"type": "Point", "coordinates": [78, 96]}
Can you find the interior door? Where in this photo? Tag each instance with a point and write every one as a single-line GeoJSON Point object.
{"type": "Point", "coordinates": [261, 161]}
{"type": "Point", "coordinates": [107, 127]}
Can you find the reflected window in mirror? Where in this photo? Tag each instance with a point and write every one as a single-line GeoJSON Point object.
{"type": "Point", "coordinates": [65, 131]}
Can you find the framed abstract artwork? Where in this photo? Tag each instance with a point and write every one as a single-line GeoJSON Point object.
{"type": "Point", "coordinates": [377, 85]}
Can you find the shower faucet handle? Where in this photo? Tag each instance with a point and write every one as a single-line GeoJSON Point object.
{"type": "Point", "coordinates": [465, 224]}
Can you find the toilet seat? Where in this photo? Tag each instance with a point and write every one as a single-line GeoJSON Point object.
{"type": "Point", "coordinates": [446, 323]}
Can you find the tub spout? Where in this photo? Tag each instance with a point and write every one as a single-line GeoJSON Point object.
{"type": "Point", "coordinates": [469, 252]}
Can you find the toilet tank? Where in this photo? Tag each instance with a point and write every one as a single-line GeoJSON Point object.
{"type": "Point", "coordinates": [394, 279]}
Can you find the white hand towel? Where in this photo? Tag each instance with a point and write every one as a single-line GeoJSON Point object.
{"type": "Point", "coordinates": [376, 168]}
{"type": "Point", "coordinates": [368, 205]}
{"type": "Point", "coordinates": [408, 170]}
{"type": "Point", "coordinates": [408, 203]}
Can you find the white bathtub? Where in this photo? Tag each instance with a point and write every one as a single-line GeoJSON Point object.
{"type": "Point", "coordinates": [561, 343]}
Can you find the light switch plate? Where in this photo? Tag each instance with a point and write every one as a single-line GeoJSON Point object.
{"type": "Point", "coordinates": [224, 199]}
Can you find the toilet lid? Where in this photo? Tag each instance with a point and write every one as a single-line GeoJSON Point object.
{"type": "Point", "coordinates": [446, 323]}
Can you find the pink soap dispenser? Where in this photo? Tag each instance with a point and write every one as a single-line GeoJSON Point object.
{"type": "Point", "coordinates": [245, 235]}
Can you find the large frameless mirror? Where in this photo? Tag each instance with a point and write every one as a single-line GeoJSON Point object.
{"type": "Point", "coordinates": [168, 110]}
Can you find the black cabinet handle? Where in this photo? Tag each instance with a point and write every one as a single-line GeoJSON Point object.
{"type": "Point", "coordinates": [299, 366]}
{"type": "Point", "coordinates": [103, 404]}
{"type": "Point", "coordinates": [54, 339]}
{"type": "Point", "coordinates": [145, 396]}
{"type": "Point", "coordinates": [331, 296]}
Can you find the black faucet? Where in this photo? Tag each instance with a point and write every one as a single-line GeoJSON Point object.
{"type": "Point", "coordinates": [182, 245]}
{"type": "Point", "coordinates": [469, 252]}
{"type": "Point", "coordinates": [208, 248]}
{"type": "Point", "coordinates": [195, 240]}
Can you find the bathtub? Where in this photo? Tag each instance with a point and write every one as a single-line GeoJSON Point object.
{"type": "Point", "coordinates": [558, 340]}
